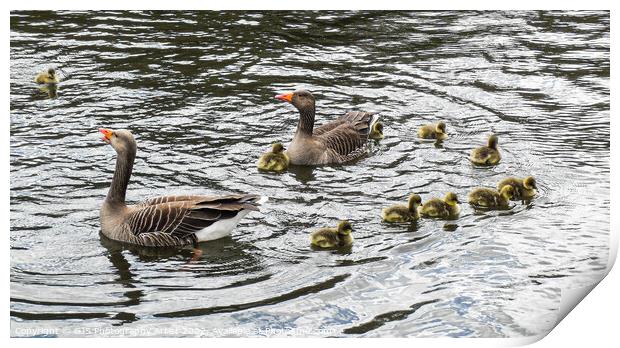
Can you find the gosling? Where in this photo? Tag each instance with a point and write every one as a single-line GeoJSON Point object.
{"type": "Point", "coordinates": [376, 132]}
{"type": "Point", "coordinates": [333, 237]}
{"type": "Point", "coordinates": [486, 155]}
{"type": "Point", "coordinates": [448, 208]}
{"type": "Point", "coordinates": [403, 213]}
{"type": "Point", "coordinates": [275, 161]}
{"type": "Point", "coordinates": [523, 188]}
{"type": "Point", "coordinates": [48, 77]}
{"type": "Point", "coordinates": [433, 131]}
{"type": "Point", "coordinates": [491, 199]}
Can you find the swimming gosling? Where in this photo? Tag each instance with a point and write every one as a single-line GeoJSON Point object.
{"type": "Point", "coordinates": [523, 188]}
{"type": "Point", "coordinates": [47, 77]}
{"type": "Point", "coordinates": [403, 213]}
{"type": "Point", "coordinates": [376, 132]}
{"type": "Point", "coordinates": [433, 131]}
{"type": "Point", "coordinates": [487, 198]}
{"type": "Point", "coordinates": [276, 160]}
{"type": "Point", "coordinates": [333, 237]}
{"type": "Point", "coordinates": [447, 208]}
{"type": "Point", "coordinates": [486, 155]}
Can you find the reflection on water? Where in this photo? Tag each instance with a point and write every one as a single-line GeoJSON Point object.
{"type": "Point", "coordinates": [196, 89]}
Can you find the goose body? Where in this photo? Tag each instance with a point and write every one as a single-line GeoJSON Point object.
{"type": "Point", "coordinates": [447, 208]}
{"type": "Point", "coordinates": [276, 160]}
{"type": "Point", "coordinates": [491, 199]}
{"type": "Point", "coordinates": [486, 155]}
{"type": "Point", "coordinates": [433, 131]}
{"type": "Point", "coordinates": [333, 237]}
{"type": "Point", "coordinates": [336, 142]}
{"type": "Point", "coordinates": [167, 220]}
{"type": "Point", "coordinates": [47, 77]}
{"type": "Point", "coordinates": [403, 213]}
{"type": "Point", "coordinates": [523, 188]}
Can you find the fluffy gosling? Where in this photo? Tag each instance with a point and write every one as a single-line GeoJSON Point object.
{"type": "Point", "coordinates": [486, 155]}
{"type": "Point", "coordinates": [47, 77]}
{"type": "Point", "coordinates": [523, 188]}
{"type": "Point", "coordinates": [447, 208]}
{"type": "Point", "coordinates": [491, 199]}
{"type": "Point", "coordinates": [333, 237]}
{"type": "Point", "coordinates": [403, 213]}
{"type": "Point", "coordinates": [433, 131]}
{"type": "Point", "coordinates": [275, 161]}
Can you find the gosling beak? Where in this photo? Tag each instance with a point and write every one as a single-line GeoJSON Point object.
{"type": "Point", "coordinates": [288, 97]}
{"type": "Point", "coordinates": [107, 134]}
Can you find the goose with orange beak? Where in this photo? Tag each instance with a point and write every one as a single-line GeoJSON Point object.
{"type": "Point", "coordinates": [342, 140]}
{"type": "Point", "coordinates": [166, 220]}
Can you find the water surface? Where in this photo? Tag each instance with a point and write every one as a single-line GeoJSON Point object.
{"type": "Point", "coordinates": [196, 89]}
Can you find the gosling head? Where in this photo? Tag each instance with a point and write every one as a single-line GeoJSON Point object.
{"type": "Point", "coordinates": [451, 198]}
{"type": "Point", "coordinates": [508, 192]}
{"type": "Point", "coordinates": [51, 72]}
{"type": "Point", "coordinates": [441, 127]}
{"type": "Point", "coordinates": [529, 183]}
{"type": "Point", "coordinates": [301, 99]}
{"type": "Point", "coordinates": [414, 202]}
{"type": "Point", "coordinates": [121, 140]}
{"type": "Point", "coordinates": [378, 127]}
{"type": "Point", "coordinates": [492, 143]}
{"type": "Point", "coordinates": [277, 148]}
{"type": "Point", "coordinates": [344, 227]}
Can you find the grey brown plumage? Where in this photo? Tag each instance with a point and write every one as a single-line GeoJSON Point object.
{"type": "Point", "coordinates": [166, 220]}
{"type": "Point", "coordinates": [340, 141]}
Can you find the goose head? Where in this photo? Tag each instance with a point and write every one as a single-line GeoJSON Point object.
{"type": "Point", "coordinates": [492, 143]}
{"type": "Point", "coordinates": [377, 130]}
{"type": "Point", "coordinates": [301, 99]}
{"type": "Point", "coordinates": [414, 201]}
{"type": "Point", "coordinates": [121, 140]}
{"type": "Point", "coordinates": [441, 127]}
{"type": "Point", "coordinates": [277, 148]}
{"type": "Point", "coordinates": [344, 228]}
{"type": "Point", "coordinates": [529, 183]}
{"type": "Point", "coordinates": [451, 198]}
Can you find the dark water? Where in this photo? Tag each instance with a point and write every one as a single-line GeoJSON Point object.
{"type": "Point", "coordinates": [197, 91]}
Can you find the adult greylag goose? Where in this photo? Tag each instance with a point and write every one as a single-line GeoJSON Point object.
{"type": "Point", "coordinates": [336, 142]}
{"type": "Point", "coordinates": [167, 220]}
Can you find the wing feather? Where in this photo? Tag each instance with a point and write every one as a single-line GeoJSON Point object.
{"type": "Point", "coordinates": [182, 216]}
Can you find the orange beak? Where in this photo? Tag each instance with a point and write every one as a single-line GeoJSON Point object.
{"type": "Point", "coordinates": [288, 97]}
{"type": "Point", "coordinates": [107, 134]}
